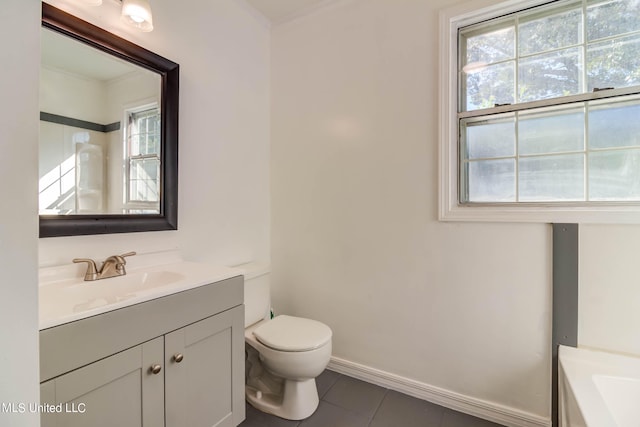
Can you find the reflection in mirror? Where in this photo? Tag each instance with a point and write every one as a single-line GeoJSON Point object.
{"type": "Point", "coordinates": [99, 132]}
{"type": "Point", "coordinates": [108, 132]}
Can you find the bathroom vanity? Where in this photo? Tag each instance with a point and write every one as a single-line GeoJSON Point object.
{"type": "Point", "coordinates": [172, 356]}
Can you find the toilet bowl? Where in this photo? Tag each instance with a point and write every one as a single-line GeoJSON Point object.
{"type": "Point", "coordinates": [284, 355]}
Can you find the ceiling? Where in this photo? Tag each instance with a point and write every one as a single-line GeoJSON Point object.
{"type": "Point", "coordinates": [279, 11]}
{"type": "Point", "coordinates": [64, 53]}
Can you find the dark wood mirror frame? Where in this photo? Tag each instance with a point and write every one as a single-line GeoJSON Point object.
{"type": "Point", "coordinates": [73, 225]}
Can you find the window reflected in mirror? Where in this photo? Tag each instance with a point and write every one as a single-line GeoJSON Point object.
{"type": "Point", "coordinates": [142, 179]}
{"type": "Point", "coordinates": [100, 132]}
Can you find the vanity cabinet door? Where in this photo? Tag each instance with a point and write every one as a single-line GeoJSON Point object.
{"type": "Point", "coordinates": [120, 390]}
{"type": "Point", "coordinates": [205, 372]}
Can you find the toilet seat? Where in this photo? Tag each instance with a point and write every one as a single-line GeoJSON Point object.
{"type": "Point", "coordinates": [288, 333]}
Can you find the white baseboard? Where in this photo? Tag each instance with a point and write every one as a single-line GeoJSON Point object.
{"type": "Point", "coordinates": [494, 412]}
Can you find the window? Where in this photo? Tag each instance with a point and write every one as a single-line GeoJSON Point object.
{"type": "Point", "coordinates": [142, 183]}
{"type": "Point", "coordinates": [545, 112]}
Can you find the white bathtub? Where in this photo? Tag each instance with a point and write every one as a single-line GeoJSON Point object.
{"type": "Point", "coordinates": [598, 389]}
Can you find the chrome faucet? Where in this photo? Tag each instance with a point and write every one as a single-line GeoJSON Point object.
{"type": "Point", "coordinates": [111, 267]}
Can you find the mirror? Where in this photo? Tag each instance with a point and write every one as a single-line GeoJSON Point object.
{"type": "Point", "coordinates": [108, 132]}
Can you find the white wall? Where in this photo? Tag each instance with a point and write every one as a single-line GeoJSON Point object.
{"type": "Point", "coordinates": [356, 242]}
{"type": "Point", "coordinates": [223, 51]}
{"type": "Point", "coordinates": [131, 91]}
{"type": "Point", "coordinates": [609, 288]}
{"type": "Point", "coordinates": [71, 95]}
{"type": "Point", "coordinates": [75, 96]}
{"type": "Point", "coordinates": [20, 32]}
{"type": "Point", "coordinates": [224, 144]}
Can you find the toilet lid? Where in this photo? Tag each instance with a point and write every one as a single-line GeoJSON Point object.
{"type": "Point", "coordinates": [288, 333]}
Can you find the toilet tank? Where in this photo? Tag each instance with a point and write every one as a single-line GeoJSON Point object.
{"type": "Point", "coordinates": [257, 299]}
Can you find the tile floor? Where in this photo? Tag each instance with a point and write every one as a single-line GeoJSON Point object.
{"type": "Point", "coordinates": [347, 402]}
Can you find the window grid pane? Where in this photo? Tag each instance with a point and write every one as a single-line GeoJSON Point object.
{"type": "Point", "coordinates": [144, 178]}
{"type": "Point", "coordinates": [582, 149]}
{"type": "Point", "coordinates": [534, 37]}
{"type": "Point", "coordinates": [548, 52]}
{"type": "Point", "coordinates": [143, 148]}
{"type": "Point", "coordinates": [554, 159]}
{"type": "Point", "coordinates": [551, 178]}
{"type": "Point", "coordinates": [611, 18]}
{"type": "Point", "coordinates": [614, 62]}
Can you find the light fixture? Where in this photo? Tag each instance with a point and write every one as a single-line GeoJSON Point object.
{"type": "Point", "coordinates": [138, 14]}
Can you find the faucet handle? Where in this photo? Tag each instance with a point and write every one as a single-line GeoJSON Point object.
{"type": "Point", "coordinates": [120, 261]}
{"type": "Point", "coordinates": [92, 271]}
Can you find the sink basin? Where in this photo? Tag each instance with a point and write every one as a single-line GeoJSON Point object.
{"type": "Point", "coordinates": [136, 281]}
{"type": "Point", "coordinates": [86, 295]}
{"type": "Point", "coordinates": [69, 299]}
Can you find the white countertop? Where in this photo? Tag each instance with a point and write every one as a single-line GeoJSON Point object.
{"type": "Point", "coordinates": [64, 299]}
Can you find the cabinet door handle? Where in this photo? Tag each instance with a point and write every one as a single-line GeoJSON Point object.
{"type": "Point", "coordinates": [178, 357]}
{"type": "Point", "coordinates": [155, 369]}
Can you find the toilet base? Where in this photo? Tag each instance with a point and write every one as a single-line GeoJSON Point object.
{"type": "Point", "coordinates": [297, 400]}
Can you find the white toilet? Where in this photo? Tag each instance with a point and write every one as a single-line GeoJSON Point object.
{"type": "Point", "coordinates": [284, 355]}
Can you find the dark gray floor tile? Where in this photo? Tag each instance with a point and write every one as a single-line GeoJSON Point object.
{"type": "Point", "coordinates": [398, 409]}
{"type": "Point", "coordinates": [256, 418]}
{"type": "Point", "coordinates": [348, 402]}
{"type": "Point", "coordinates": [325, 381]}
{"type": "Point", "coordinates": [355, 396]}
{"type": "Point", "coordinates": [329, 415]}
{"type": "Point", "coordinates": [458, 419]}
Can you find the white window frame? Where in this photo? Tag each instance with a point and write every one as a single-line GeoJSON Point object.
{"type": "Point", "coordinates": [449, 208]}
